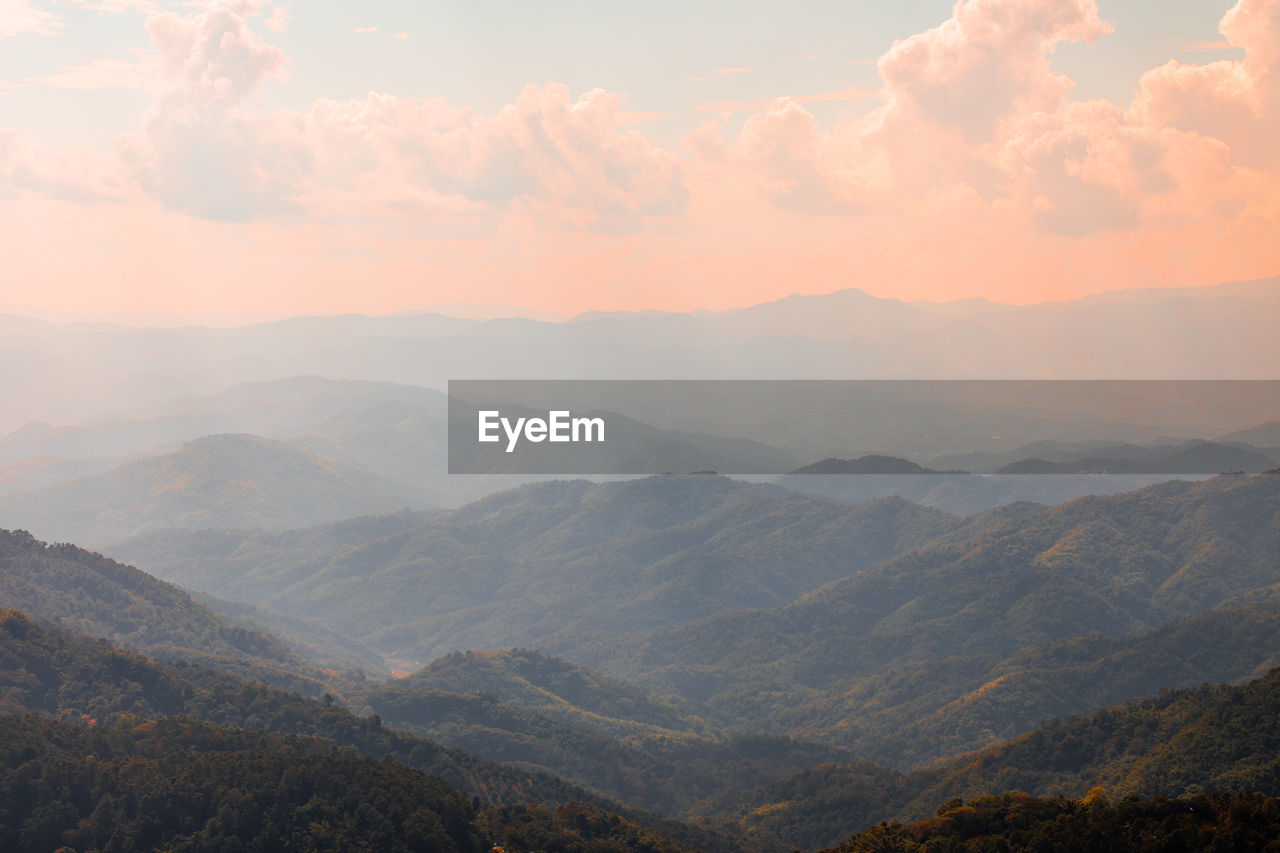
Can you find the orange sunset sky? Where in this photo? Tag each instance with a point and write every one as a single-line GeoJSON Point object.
{"type": "Point", "coordinates": [230, 160]}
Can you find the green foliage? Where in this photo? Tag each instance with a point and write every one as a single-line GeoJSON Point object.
{"type": "Point", "coordinates": [46, 671]}
{"type": "Point", "coordinates": [671, 775]}
{"type": "Point", "coordinates": [91, 594]}
{"type": "Point", "coordinates": [559, 689]}
{"type": "Point", "coordinates": [603, 559]}
{"type": "Point", "coordinates": [1212, 739]}
{"type": "Point", "coordinates": [183, 785]}
{"type": "Point", "coordinates": [1016, 822]}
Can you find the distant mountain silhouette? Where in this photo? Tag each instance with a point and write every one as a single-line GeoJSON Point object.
{"type": "Point", "coordinates": [872, 464]}
{"type": "Point", "coordinates": [216, 481]}
{"type": "Point", "coordinates": [1189, 333]}
{"type": "Point", "coordinates": [1192, 457]}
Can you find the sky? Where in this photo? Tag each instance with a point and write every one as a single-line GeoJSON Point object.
{"type": "Point", "coordinates": [233, 159]}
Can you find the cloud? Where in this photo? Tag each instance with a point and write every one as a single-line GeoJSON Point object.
{"type": "Point", "coordinates": [107, 74]}
{"type": "Point", "coordinates": [75, 174]}
{"type": "Point", "coordinates": [626, 117]}
{"type": "Point", "coordinates": [279, 20]}
{"type": "Point", "coordinates": [1236, 101]}
{"type": "Point", "coordinates": [200, 150]}
{"type": "Point", "coordinates": [988, 61]}
{"type": "Point", "coordinates": [364, 30]}
{"type": "Point", "coordinates": [852, 93]}
{"type": "Point", "coordinates": [547, 151]}
{"type": "Point", "coordinates": [974, 119]}
{"type": "Point", "coordinates": [19, 16]}
{"type": "Point", "coordinates": [731, 72]}
{"type": "Point", "coordinates": [145, 7]}
{"type": "Point", "coordinates": [402, 36]}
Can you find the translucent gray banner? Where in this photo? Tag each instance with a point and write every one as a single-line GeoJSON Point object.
{"type": "Point", "coordinates": [869, 427]}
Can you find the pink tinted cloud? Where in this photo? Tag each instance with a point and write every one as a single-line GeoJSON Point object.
{"type": "Point", "coordinates": [988, 61]}
{"type": "Point", "coordinates": [279, 19]}
{"type": "Point", "coordinates": [74, 174]}
{"type": "Point", "coordinates": [105, 74]}
{"type": "Point", "coordinates": [547, 150]}
{"type": "Point", "coordinates": [973, 110]}
{"type": "Point", "coordinates": [1237, 101]}
{"type": "Point", "coordinates": [201, 151]}
{"type": "Point", "coordinates": [198, 150]}
{"type": "Point", "coordinates": [853, 93]}
{"type": "Point", "coordinates": [947, 93]}
{"type": "Point", "coordinates": [552, 201]}
{"type": "Point", "coordinates": [19, 16]}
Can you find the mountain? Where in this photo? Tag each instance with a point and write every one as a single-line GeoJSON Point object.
{"type": "Point", "coordinates": [918, 713]}
{"type": "Point", "coordinates": [1208, 739]}
{"type": "Point", "coordinates": [216, 481]}
{"type": "Point", "coordinates": [1015, 821]}
{"type": "Point", "coordinates": [125, 373]}
{"type": "Point", "coordinates": [278, 409]}
{"type": "Point", "coordinates": [1114, 565]}
{"type": "Point", "coordinates": [873, 464]}
{"type": "Point", "coordinates": [905, 691]}
{"type": "Point", "coordinates": [489, 311]}
{"type": "Point", "coordinates": [968, 494]}
{"type": "Point", "coordinates": [236, 788]}
{"type": "Point", "coordinates": [668, 772]}
{"type": "Point", "coordinates": [559, 689]}
{"type": "Point", "coordinates": [1262, 435]}
{"type": "Point", "coordinates": [934, 635]}
{"type": "Point", "coordinates": [52, 673]}
{"type": "Point", "coordinates": [38, 471]}
{"type": "Point", "coordinates": [1192, 457]}
{"type": "Point", "coordinates": [246, 790]}
{"type": "Point", "coordinates": [90, 594]}
{"type": "Point", "coordinates": [553, 565]}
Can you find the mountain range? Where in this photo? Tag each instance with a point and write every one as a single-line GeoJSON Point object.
{"type": "Point", "coordinates": [946, 629]}
{"type": "Point", "coordinates": [903, 632]}
{"type": "Point", "coordinates": [124, 373]}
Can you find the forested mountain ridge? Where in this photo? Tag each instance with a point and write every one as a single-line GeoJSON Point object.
{"type": "Point", "coordinates": [49, 672]}
{"type": "Point", "coordinates": [185, 785]}
{"type": "Point", "coordinates": [559, 689]}
{"type": "Point", "coordinates": [674, 774]}
{"type": "Point", "coordinates": [1216, 738]}
{"type": "Point", "coordinates": [554, 564]}
{"type": "Point", "coordinates": [1017, 822]}
{"type": "Point", "coordinates": [976, 630]}
{"type": "Point", "coordinates": [919, 713]}
{"type": "Point", "coordinates": [1180, 742]}
{"type": "Point", "coordinates": [94, 595]}
{"type": "Point", "coordinates": [1113, 565]}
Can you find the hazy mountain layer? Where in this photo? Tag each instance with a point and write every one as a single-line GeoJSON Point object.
{"type": "Point", "coordinates": [122, 373]}
{"type": "Point", "coordinates": [217, 481]}
{"type": "Point", "coordinates": [556, 565]}
{"type": "Point", "coordinates": [90, 594]}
